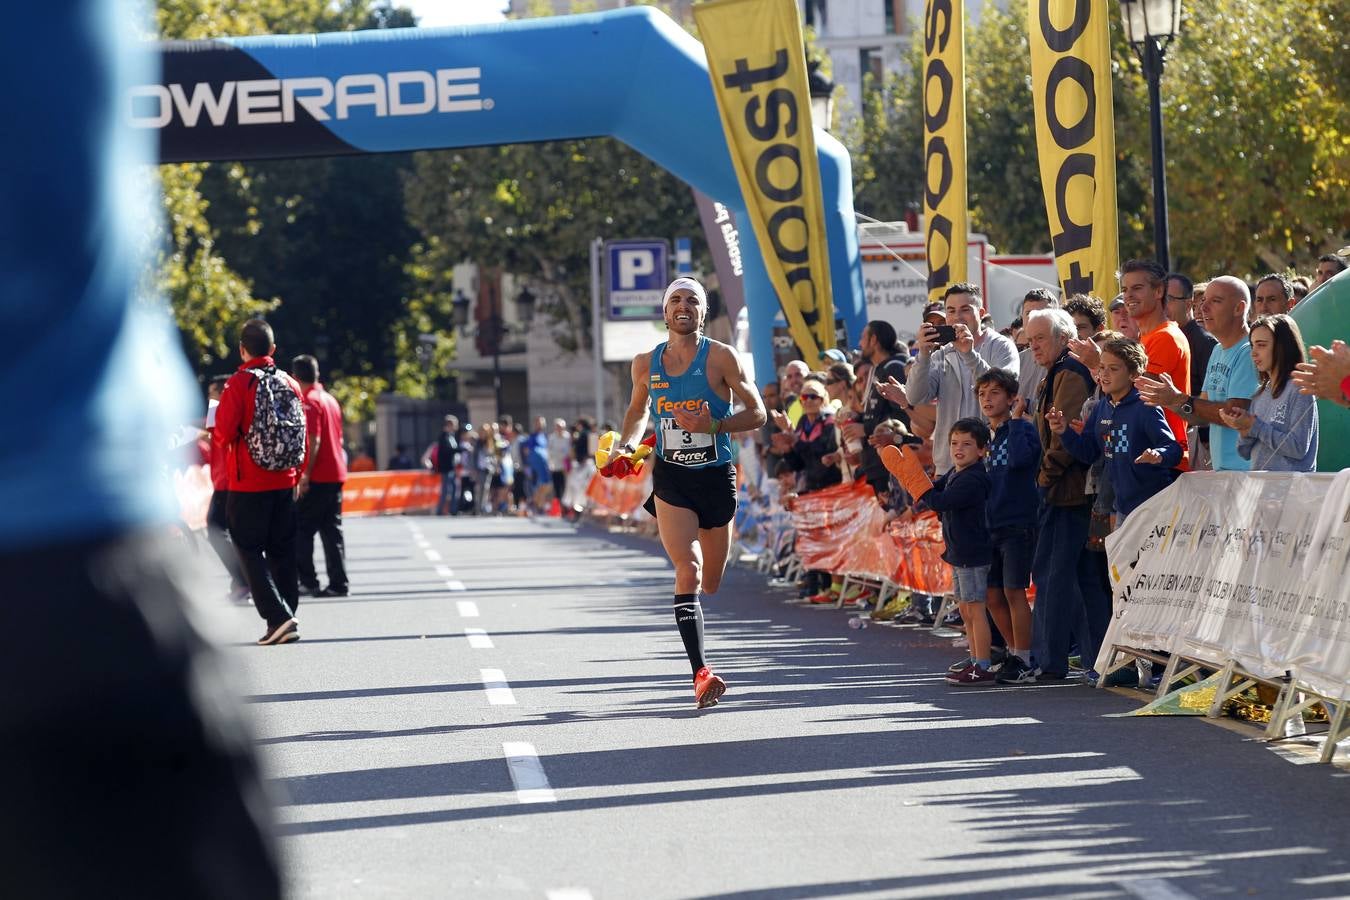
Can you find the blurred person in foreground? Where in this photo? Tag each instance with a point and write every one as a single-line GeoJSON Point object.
{"type": "Point", "coordinates": [126, 765]}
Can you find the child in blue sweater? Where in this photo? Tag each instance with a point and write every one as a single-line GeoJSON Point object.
{"type": "Point", "coordinates": [1012, 462]}
{"type": "Point", "coordinates": [960, 499]}
{"type": "Point", "coordinates": [1140, 448]}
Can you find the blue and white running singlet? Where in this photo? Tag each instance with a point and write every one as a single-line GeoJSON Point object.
{"type": "Point", "coordinates": [668, 393]}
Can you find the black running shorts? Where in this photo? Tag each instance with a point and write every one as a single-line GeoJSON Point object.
{"type": "Point", "coordinates": [709, 491]}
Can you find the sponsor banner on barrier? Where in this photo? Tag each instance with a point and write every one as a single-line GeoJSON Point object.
{"type": "Point", "coordinates": [758, 70]}
{"type": "Point", "coordinates": [377, 493]}
{"type": "Point", "coordinates": [1249, 567]}
{"type": "Point", "coordinates": [363, 494]}
{"type": "Point", "coordinates": [842, 529]}
{"type": "Point", "coordinates": [1075, 139]}
{"type": "Point", "coordinates": [944, 141]}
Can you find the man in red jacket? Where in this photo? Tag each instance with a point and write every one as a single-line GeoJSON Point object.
{"type": "Point", "coordinates": [319, 508]}
{"type": "Point", "coordinates": [261, 506]}
{"type": "Point", "coordinates": [217, 522]}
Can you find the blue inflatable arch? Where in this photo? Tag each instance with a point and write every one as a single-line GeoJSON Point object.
{"type": "Point", "coordinates": [632, 74]}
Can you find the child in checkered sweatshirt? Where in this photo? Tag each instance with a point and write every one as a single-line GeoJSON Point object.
{"type": "Point", "coordinates": [1135, 439]}
{"type": "Point", "coordinates": [1013, 461]}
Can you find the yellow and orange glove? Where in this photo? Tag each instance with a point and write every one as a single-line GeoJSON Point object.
{"type": "Point", "coordinates": [903, 463]}
{"type": "Point", "coordinates": [614, 463]}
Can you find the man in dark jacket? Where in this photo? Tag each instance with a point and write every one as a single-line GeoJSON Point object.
{"type": "Point", "coordinates": [1069, 595]}
{"type": "Point", "coordinates": [888, 357]}
{"type": "Point", "coordinates": [447, 456]}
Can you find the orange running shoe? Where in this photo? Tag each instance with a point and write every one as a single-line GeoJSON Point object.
{"type": "Point", "coordinates": [708, 687]}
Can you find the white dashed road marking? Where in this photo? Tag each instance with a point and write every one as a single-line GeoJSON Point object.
{"type": "Point", "coordinates": [468, 609]}
{"type": "Point", "coordinates": [527, 774]}
{"type": "Point", "coordinates": [433, 555]}
{"type": "Point", "coordinates": [455, 585]}
{"type": "Point", "coordinates": [478, 638]}
{"type": "Point", "coordinates": [1154, 889]}
{"type": "Point", "coordinates": [444, 572]}
{"type": "Point", "coordinates": [498, 690]}
{"type": "Point", "coordinates": [569, 894]}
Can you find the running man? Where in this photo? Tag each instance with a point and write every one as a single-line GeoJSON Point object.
{"type": "Point", "coordinates": [687, 383]}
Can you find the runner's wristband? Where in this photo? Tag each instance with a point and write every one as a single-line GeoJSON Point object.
{"type": "Point", "coordinates": [713, 426]}
{"type": "Point", "coordinates": [1345, 391]}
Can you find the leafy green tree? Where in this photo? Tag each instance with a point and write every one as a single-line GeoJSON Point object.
{"type": "Point", "coordinates": [325, 239]}
{"type": "Point", "coordinates": [1256, 106]}
{"type": "Point", "coordinates": [1258, 137]}
{"type": "Point", "coordinates": [533, 210]}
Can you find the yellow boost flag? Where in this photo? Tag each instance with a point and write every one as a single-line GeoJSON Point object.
{"type": "Point", "coordinates": [758, 70]}
{"type": "Point", "coordinates": [944, 142]}
{"type": "Point", "coordinates": [1075, 139]}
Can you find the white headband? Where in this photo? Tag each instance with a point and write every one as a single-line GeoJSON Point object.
{"type": "Point", "coordinates": [688, 284]}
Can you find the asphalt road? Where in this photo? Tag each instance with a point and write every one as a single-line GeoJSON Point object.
{"type": "Point", "coordinates": [503, 709]}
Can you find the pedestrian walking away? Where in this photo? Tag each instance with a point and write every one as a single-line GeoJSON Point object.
{"type": "Point", "coordinates": [686, 384]}
{"type": "Point", "coordinates": [318, 507]}
{"type": "Point", "coordinates": [261, 424]}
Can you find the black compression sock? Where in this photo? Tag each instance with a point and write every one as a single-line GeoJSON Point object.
{"type": "Point", "coordinates": [689, 619]}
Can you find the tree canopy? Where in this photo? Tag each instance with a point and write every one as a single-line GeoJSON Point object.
{"type": "Point", "coordinates": [1256, 123]}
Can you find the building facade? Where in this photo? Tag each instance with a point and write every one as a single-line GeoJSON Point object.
{"type": "Point", "coordinates": [868, 37]}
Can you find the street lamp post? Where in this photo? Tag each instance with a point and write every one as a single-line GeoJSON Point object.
{"type": "Point", "coordinates": [1150, 25]}
{"type": "Point", "coordinates": [492, 330]}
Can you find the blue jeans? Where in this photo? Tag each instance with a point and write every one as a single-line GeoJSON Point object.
{"type": "Point", "coordinates": [448, 503]}
{"type": "Point", "coordinates": [1070, 599]}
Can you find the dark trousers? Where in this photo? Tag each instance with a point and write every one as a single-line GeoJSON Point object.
{"type": "Point", "coordinates": [218, 535]}
{"type": "Point", "coordinates": [122, 743]}
{"type": "Point", "coordinates": [262, 526]}
{"type": "Point", "coordinates": [1070, 600]}
{"type": "Point", "coordinates": [320, 511]}
{"type": "Point", "coordinates": [559, 483]}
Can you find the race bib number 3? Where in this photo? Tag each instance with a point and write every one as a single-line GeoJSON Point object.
{"type": "Point", "coordinates": [685, 448]}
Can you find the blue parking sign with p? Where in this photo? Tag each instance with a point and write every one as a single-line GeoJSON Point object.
{"type": "Point", "coordinates": [639, 271]}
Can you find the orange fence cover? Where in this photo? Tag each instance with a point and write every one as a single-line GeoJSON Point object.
{"type": "Point", "coordinates": [917, 540]}
{"type": "Point", "coordinates": [376, 493]}
{"type": "Point", "coordinates": [843, 530]}
{"type": "Point", "coordinates": [618, 496]}
{"type": "Point", "coordinates": [834, 524]}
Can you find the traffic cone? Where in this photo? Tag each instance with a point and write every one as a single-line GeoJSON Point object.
{"type": "Point", "coordinates": [555, 508]}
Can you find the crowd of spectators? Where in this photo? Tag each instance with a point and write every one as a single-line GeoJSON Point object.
{"type": "Point", "coordinates": [500, 469]}
{"type": "Point", "coordinates": [1034, 441]}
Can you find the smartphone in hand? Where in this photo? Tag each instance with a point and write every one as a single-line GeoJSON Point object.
{"type": "Point", "coordinates": [945, 333]}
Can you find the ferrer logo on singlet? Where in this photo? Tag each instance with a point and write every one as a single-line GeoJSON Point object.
{"type": "Point", "coordinates": [683, 448]}
{"type": "Point", "coordinates": [664, 406]}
